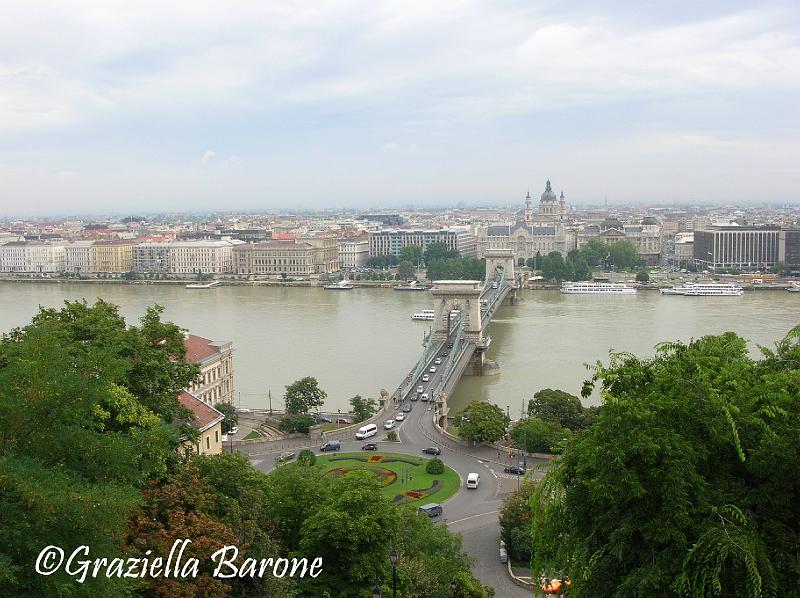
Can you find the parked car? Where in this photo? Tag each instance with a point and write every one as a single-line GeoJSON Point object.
{"type": "Point", "coordinates": [425, 377]}
{"type": "Point", "coordinates": [343, 420]}
{"type": "Point", "coordinates": [515, 469]}
{"type": "Point", "coordinates": [432, 450]}
{"type": "Point", "coordinates": [450, 345]}
{"type": "Point", "coordinates": [433, 509]}
{"type": "Point", "coordinates": [437, 361]}
{"type": "Point", "coordinates": [503, 554]}
{"type": "Point", "coordinates": [400, 417]}
{"type": "Point", "coordinates": [234, 430]}
{"type": "Point", "coordinates": [284, 457]}
{"type": "Point", "coordinates": [370, 446]}
{"type": "Point", "coordinates": [331, 445]}
{"type": "Point", "coordinates": [388, 424]}
{"type": "Point", "coordinates": [321, 419]}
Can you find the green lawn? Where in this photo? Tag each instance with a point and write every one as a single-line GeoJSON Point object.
{"type": "Point", "coordinates": [409, 472]}
{"type": "Point", "coordinates": [253, 435]}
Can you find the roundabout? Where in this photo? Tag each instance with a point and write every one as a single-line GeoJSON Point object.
{"type": "Point", "coordinates": [403, 478]}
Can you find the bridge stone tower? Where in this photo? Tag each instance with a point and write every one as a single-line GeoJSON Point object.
{"type": "Point", "coordinates": [500, 258]}
{"type": "Point", "coordinates": [461, 295]}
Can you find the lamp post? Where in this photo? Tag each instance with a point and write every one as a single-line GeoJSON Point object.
{"type": "Point", "coordinates": [453, 587]}
{"type": "Point", "coordinates": [393, 557]}
{"type": "Point", "coordinates": [376, 591]}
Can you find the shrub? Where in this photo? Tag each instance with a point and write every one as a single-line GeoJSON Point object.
{"type": "Point", "coordinates": [392, 435]}
{"type": "Point", "coordinates": [296, 423]}
{"type": "Point", "coordinates": [434, 466]}
{"type": "Point", "coordinates": [306, 457]}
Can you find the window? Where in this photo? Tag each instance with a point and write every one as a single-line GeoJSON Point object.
{"type": "Point", "coordinates": [216, 436]}
{"type": "Point", "coordinates": [208, 442]}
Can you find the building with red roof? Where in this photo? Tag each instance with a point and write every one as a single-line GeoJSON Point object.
{"type": "Point", "coordinates": [215, 359]}
{"type": "Point", "coordinates": [208, 423]}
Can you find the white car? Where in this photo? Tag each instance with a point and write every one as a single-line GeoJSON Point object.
{"type": "Point", "coordinates": [400, 417]}
{"type": "Point", "coordinates": [437, 361]}
{"type": "Point", "coordinates": [432, 369]}
{"type": "Point", "coordinates": [424, 396]}
{"type": "Point", "coordinates": [420, 389]}
{"type": "Point", "coordinates": [234, 430]}
{"type": "Point", "coordinates": [425, 378]}
{"type": "Point", "coordinates": [389, 424]}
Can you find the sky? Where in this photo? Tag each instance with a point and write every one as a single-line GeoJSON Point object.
{"type": "Point", "coordinates": [146, 106]}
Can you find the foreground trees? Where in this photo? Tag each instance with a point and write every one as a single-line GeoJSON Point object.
{"type": "Point", "coordinates": [688, 480]}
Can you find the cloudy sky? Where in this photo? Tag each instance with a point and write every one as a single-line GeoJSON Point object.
{"type": "Point", "coordinates": [142, 106]}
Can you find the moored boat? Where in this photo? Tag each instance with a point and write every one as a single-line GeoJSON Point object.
{"type": "Point", "coordinates": [591, 288]}
{"type": "Point", "coordinates": [705, 289]}
{"type": "Point", "coordinates": [343, 285]}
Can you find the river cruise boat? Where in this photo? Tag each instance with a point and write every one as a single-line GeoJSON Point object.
{"type": "Point", "coordinates": [411, 286]}
{"type": "Point", "coordinates": [210, 285]}
{"type": "Point", "coordinates": [705, 289]}
{"type": "Point", "coordinates": [592, 288]}
{"type": "Point", "coordinates": [343, 285]}
{"type": "Point", "coordinates": [425, 314]}
{"type": "Point", "coordinates": [795, 288]}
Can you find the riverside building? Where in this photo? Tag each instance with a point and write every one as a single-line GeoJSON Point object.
{"type": "Point", "coordinates": [391, 241]}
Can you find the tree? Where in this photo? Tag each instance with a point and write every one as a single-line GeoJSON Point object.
{"type": "Point", "coordinates": [363, 408]}
{"type": "Point", "coordinates": [539, 436]}
{"type": "Point", "coordinates": [558, 407]}
{"type": "Point", "coordinates": [303, 395]}
{"type": "Point", "coordinates": [487, 422]}
{"type": "Point", "coordinates": [405, 271]}
{"type": "Point", "coordinates": [623, 254]}
{"type": "Point", "coordinates": [434, 466]}
{"type": "Point", "coordinates": [553, 266]}
{"type": "Point", "coordinates": [378, 261]}
{"type": "Point", "coordinates": [412, 254]}
{"type": "Point", "coordinates": [438, 251]}
{"type": "Point", "coordinates": [306, 457]}
{"type": "Point", "coordinates": [231, 417]}
{"type": "Point", "coordinates": [296, 423]}
{"type": "Point", "coordinates": [642, 276]}
{"type": "Point", "coordinates": [700, 498]}
{"type": "Point", "coordinates": [515, 522]}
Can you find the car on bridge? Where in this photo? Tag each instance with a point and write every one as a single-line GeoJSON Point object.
{"type": "Point", "coordinates": [389, 424]}
{"type": "Point", "coordinates": [424, 397]}
{"type": "Point", "coordinates": [370, 446]}
{"type": "Point", "coordinates": [407, 409]}
{"type": "Point", "coordinates": [432, 450]}
{"type": "Point", "coordinates": [400, 417]}
{"type": "Point", "coordinates": [445, 353]}
{"type": "Point", "coordinates": [432, 369]}
{"type": "Point", "coordinates": [437, 361]}
{"type": "Point", "coordinates": [420, 389]}
{"type": "Point", "coordinates": [515, 470]}
{"type": "Point", "coordinates": [425, 377]}
{"type": "Point", "coordinates": [450, 345]}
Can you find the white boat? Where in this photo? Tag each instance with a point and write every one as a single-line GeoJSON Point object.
{"type": "Point", "coordinates": [343, 285]}
{"type": "Point", "coordinates": [705, 289]}
{"type": "Point", "coordinates": [591, 288]}
{"type": "Point", "coordinates": [411, 286]}
{"type": "Point", "coordinates": [795, 288]}
{"type": "Point", "coordinates": [209, 285]}
{"type": "Point", "coordinates": [425, 314]}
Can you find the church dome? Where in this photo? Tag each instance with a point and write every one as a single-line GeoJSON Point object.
{"type": "Point", "coordinates": [548, 195]}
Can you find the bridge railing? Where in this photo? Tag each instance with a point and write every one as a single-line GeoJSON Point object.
{"type": "Point", "coordinates": [460, 344]}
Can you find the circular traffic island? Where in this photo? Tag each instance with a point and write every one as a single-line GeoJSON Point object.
{"type": "Point", "coordinates": [404, 477]}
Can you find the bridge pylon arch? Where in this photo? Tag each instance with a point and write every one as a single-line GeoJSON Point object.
{"type": "Point", "coordinates": [498, 260]}
{"type": "Point", "coordinates": [463, 296]}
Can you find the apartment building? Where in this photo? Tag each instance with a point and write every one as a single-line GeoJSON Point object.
{"type": "Point", "coordinates": [274, 258]}
{"type": "Point", "coordinates": [208, 423]}
{"type": "Point", "coordinates": [215, 359]}
{"type": "Point", "coordinates": [391, 241]}
{"type": "Point", "coordinates": [111, 257]}
{"type": "Point", "coordinates": [77, 257]}
{"type": "Point", "coordinates": [201, 257]}
{"type": "Point", "coordinates": [353, 253]}
{"type": "Point", "coordinates": [31, 256]}
{"type": "Point", "coordinates": [325, 254]}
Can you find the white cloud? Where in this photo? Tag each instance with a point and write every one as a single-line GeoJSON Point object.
{"type": "Point", "coordinates": [208, 155]}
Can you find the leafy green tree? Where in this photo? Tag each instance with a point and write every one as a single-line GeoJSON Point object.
{"type": "Point", "coordinates": [686, 481]}
{"type": "Point", "coordinates": [231, 417]}
{"type": "Point", "coordinates": [412, 254]}
{"type": "Point", "coordinates": [595, 252]}
{"type": "Point", "coordinates": [434, 466]}
{"type": "Point", "coordinates": [306, 457]}
{"type": "Point", "coordinates": [554, 267]}
{"type": "Point", "coordinates": [515, 522]}
{"type": "Point", "coordinates": [558, 407]}
{"type": "Point", "coordinates": [623, 255]}
{"type": "Point", "coordinates": [378, 261]}
{"type": "Point", "coordinates": [438, 251]}
{"type": "Point", "coordinates": [539, 436]}
{"type": "Point", "coordinates": [405, 271]}
{"type": "Point", "coordinates": [303, 395]}
{"type": "Point", "coordinates": [300, 422]}
{"type": "Point", "coordinates": [456, 268]}
{"type": "Point", "coordinates": [642, 276]}
{"type": "Point", "coordinates": [362, 408]}
{"type": "Point", "coordinates": [487, 422]}
{"type": "Point", "coordinates": [352, 530]}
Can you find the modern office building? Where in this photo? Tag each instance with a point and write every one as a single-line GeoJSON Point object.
{"type": "Point", "coordinates": [736, 247]}
{"type": "Point", "coordinates": [789, 247]}
{"type": "Point", "coordinates": [391, 241]}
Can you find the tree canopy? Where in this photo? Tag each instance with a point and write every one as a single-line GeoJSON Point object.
{"type": "Point", "coordinates": [303, 395]}
{"type": "Point", "coordinates": [688, 480]}
{"type": "Point", "coordinates": [363, 408]}
{"type": "Point", "coordinates": [487, 422]}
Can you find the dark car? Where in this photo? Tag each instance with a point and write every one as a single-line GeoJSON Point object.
{"type": "Point", "coordinates": [515, 469]}
{"type": "Point", "coordinates": [449, 345]}
{"type": "Point", "coordinates": [321, 419]}
{"type": "Point", "coordinates": [445, 353]}
{"type": "Point", "coordinates": [431, 510]}
{"type": "Point", "coordinates": [284, 457]}
{"type": "Point", "coordinates": [432, 450]}
{"type": "Point", "coordinates": [371, 446]}
{"type": "Point", "coordinates": [407, 409]}
{"type": "Point", "coordinates": [331, 445]}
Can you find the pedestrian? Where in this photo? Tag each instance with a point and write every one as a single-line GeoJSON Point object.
{"type": "Point", "coordinates": [498, 455]}
{"type": "Point", "coordinates": [510, 455]}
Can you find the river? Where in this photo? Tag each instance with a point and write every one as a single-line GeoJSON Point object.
{"type": "Point", "coordinates": [360, 341]}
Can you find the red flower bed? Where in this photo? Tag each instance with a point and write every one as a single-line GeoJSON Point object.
{"type": "Point", "coordinates": [375, 458]}
{"type": "Point", "coordinates": [413, 494]}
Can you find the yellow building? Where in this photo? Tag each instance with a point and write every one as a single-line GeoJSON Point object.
{"type": "Point", "coordinates": [111, 257]}
{"type": "Point", "coordinates": [208, 423]}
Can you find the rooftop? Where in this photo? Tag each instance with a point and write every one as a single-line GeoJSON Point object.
{"type": "Point", "coordinates": [204, 415]}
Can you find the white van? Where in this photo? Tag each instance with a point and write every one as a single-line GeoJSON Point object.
{"type": "Point", "coordinates": [366, 431]}
{"type": "Point", "coordinates": [473, 479]}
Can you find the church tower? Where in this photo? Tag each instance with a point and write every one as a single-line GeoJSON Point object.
{"type": "Point", "coordinates": [562, 207]}
{"type": "Point", "coordinates": [548, 203]}
{"type": "Point", "coordinates": [528, 208]}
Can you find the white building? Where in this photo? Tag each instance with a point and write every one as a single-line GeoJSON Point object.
{"type": "Point", "coordinates": [29, 256]}
{"type": "Point", "coordinates": [391, 241]}
{"type": "Point", "coordinates": [353, 253]}
{"type": "Point", "coordinates": [206, 257]}
{"type": "Point", "coordinates": [77, 256]}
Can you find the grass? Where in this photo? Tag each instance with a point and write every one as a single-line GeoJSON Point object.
{"type": "Point", "coordinates": [253, 435]}
{"type": "Point", "coordinates": [410, 466]}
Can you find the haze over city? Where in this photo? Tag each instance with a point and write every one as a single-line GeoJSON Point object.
{"type": "Point", "coordinates": [197, 106]}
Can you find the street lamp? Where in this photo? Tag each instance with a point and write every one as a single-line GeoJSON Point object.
{"type": "Point", "coordinates": [376, 591]}
{"type": "Point", "coordinates": [393, 557]}
{"type": "Point", "coordinates": [453, 587]}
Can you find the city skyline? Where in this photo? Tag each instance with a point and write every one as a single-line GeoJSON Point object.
{"type": "Point", "coordinates": [359, 105]}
